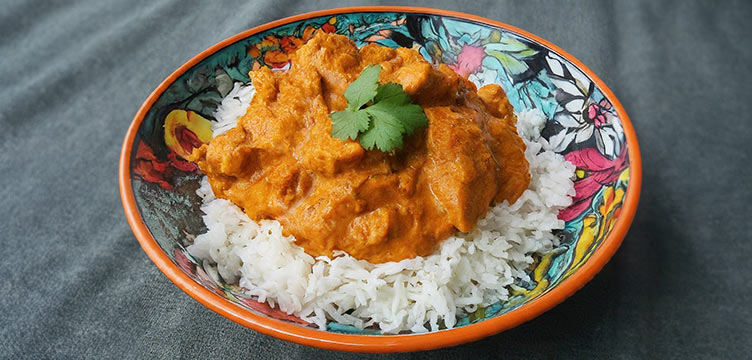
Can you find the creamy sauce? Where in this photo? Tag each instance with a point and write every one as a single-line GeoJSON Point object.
{"type": "Point", "coordinates": [281, 163]}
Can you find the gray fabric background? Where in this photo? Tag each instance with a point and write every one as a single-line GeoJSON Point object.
{"type": "Point", "coordinates": [76, 284]}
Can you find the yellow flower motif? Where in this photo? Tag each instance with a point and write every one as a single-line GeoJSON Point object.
{"type": "Point", "coordinates": [595, 227]}
{"type": "Point", "coordinates": [185, 130]}
{"type": "Point", "coordinates": [590, 227]}
{"type": "Point", "coordinates": [539, 277]}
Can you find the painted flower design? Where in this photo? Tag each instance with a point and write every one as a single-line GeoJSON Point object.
{"type": "Point", "coordinates": [206, 280]}
{"type": "Point", "coordinates": [612, 199]}
{"type": "Point", "coordinates": [596, 113]}
{"type": "Point", "coordinates": [183, 262]}
{"type": "Point", "coordinates": [477, 53]}
{"type": "Point", "coordinates": [594, 171]}
{"type": "Point", "coordinates": [265, 309]}
{"type": "Point", "coordinates": [482, 78]}
{"type": "Point", "coordinates": [468, 60]}
{"type": "Point", "coordinates": [186, 130]}
{"type": "Point", "coordinates": [581, 116]}
{"type": "Point", "coordinates": [183, 131]}
{"type": "Point", "coordinates": [276, 50]}
{"type": "Point", "coordinates": [152, 169]}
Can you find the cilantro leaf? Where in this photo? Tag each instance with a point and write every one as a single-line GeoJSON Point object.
{"type": "Point", "coordinates": [347, 124]}
{"type": "Point", "coordinates": [392, 93]}
{"type": "Point", "coordinates": [385, 132]}
{"type": "Point", "coordinates": [363, 89]}
{"type": "Point", "coordinates": [389, 113]}
{"type": "Point", "coordinates": [390, 98]}
{"type": "Point", "coordinates": [411, 116]}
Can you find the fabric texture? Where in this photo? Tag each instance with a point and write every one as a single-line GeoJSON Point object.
{"type": "Point", "coordinates": [77, 284]}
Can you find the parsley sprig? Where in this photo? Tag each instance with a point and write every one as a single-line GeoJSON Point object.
{"type": "Point", "coordinates": [377, 115]}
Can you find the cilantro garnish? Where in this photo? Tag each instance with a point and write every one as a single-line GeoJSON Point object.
{"type": "Point", "coordinates": [377, 115]}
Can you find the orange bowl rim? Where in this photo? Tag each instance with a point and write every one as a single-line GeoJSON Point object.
{"type": "Point", "coordinates": [381, 343]}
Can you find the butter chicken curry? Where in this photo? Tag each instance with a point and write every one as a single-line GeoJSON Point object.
{"type": "Point", "coordinates": [280, 161]}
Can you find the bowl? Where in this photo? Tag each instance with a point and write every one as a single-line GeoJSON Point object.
{"type": "Point", "coordinates": [589, 125]}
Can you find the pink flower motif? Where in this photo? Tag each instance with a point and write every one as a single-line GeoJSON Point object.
{"type": "Point", "coordinates": [596, 113]}
{"type": "Point", "coordinates": [183, 261]}
{"type": "Point", "coordinates": [594, 170]}
{"type": "Point", "coordinates": [469, 60]}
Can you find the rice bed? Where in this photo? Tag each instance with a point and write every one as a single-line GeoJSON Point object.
{"type": "Point", "coordinates": [422, 294]}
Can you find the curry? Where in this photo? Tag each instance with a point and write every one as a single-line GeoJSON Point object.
{"type": "Point", "coordinates": [280, 161]}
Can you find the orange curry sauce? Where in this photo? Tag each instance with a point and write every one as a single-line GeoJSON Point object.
{"type": "Point", "coordinates": [280, 161]}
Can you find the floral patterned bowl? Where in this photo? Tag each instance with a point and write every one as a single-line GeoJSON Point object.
{"type": "Point", "coordinates": [585, 121]}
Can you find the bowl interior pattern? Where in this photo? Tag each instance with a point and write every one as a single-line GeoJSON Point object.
{"type": "Point", "coordinates": [582, 124]}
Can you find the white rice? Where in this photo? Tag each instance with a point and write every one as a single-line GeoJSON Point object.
{"type": "Point", "coordinates": [420, 294]}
